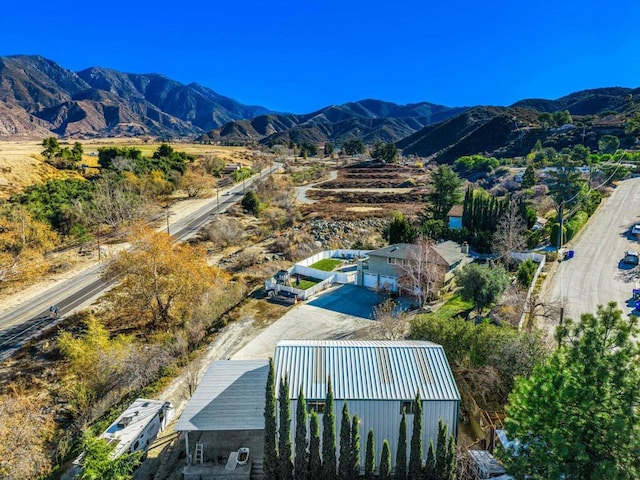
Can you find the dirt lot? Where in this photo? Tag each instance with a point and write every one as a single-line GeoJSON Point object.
{"type": "Point", "coordinates": [362, 192]}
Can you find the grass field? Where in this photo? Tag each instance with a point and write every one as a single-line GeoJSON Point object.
{"type": "Point", "coordinates": [21, 162]}
{"type": "Point", "coordinates": [452, 307]}
{"type": "Point", "coordinates": [305, 283]}
{"type": "Point", "coordinates": [326, 264]}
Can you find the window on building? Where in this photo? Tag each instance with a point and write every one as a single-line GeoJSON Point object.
{"type": "Point", "coordinates": [315, 406]}
{"type": "Point", "coordinates": [408, 406]}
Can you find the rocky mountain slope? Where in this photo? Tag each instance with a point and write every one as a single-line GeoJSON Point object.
{"type": "Point", "coordinates": [39, 97]}
{"type": "Point", "coordinates": [513, 131]}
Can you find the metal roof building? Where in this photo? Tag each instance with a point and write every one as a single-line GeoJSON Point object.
{"type": "Point", "coordinates": [225, 413]}
{"type": "Point", "coordinates": [377, 379]}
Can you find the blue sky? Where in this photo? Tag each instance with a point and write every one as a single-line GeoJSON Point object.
{"type": "Point", "coordinates": [302, 55]}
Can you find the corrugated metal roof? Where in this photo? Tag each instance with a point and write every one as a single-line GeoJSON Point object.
{"type": "Point", "coordinates": [366, 370]}
{"type": "Point", "coordinates": [230, 396]}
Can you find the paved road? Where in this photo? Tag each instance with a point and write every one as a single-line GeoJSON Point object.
{"type": "Point", "coordinates": [80, 291]}
{"type": "Point", "coordinates": [596, 276]}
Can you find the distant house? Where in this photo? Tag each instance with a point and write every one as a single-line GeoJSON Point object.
{"type": "Point", "coordinates": [455, 217]}
{"type": "Point", "coordinates": [387, 266]}
{"type": "Point", "coordinates": [232, 167]}
{"type": "Point", "coordinates": [377, 380]}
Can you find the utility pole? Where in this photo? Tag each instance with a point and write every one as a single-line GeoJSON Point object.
{"type": "Point", "coordinates": [217, 199]}
{"type": "Point", "coordinates": [99, 253]}
{"type": "Point", "coordinates": [561, 210]}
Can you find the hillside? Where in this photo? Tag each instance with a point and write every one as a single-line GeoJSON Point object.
{"type": "Point", "coordinates": [513, 131]}
{"type": "Point", "coordinates": [39, 97]}
{"type": "Point", "coordinates": [371, 120]}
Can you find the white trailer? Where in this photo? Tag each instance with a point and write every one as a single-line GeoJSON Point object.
{"type": "Point", "coordinates": [138, 426]}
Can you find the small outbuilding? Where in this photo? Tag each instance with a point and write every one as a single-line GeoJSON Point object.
{"type": "Point", "coordinates": [223, 423]}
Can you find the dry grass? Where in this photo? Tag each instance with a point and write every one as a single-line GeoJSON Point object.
{"type": "Point", "coordinates": [22, 165]}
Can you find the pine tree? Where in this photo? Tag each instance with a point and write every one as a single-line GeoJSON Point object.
{"type": "Point", "coordinates": [529, 177]}
{"type": "Point", "coordinates": [385, 461]}
{"type": "Point", "coordinates": [315, 463]}
{"type": "Point", "coordinates": [430, 465]}
{"type": "Point", "coordinates": [270, 449]}
{"type": "Point", "coordinates": [401, 454]}
{"type": "Point", "coordinates": [354, 455]}
{"type": "Point", "coordinates": [415, 459]}
{"type": "Point", "coordinates": [285, 465]}
{"type": "Point", "coordinates": [370, 457]}
{"type": "Point", "coordinates": [301, 461]}
{"type": "Point", "coordinates": [329, 436]}
{"type": "Point", "coordinates": [344, 466]}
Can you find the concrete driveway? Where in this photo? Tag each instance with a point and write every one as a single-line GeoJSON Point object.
{"type": "Point", "coordinates": [339, 313]}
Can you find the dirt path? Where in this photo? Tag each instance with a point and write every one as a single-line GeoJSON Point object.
{"type": "Point", "coordinates": [301, 192]}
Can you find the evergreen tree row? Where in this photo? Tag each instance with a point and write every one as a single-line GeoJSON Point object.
{"type": "Point", "coordinates": [316, 460]}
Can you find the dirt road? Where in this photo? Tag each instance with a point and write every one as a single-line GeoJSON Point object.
{"type": "Point", "coordinates": [596, 275]}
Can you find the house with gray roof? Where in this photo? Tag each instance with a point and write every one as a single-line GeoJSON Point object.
{"type": "Point", "coordinates": [388, 268]}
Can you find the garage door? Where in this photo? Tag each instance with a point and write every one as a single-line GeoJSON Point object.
{"type": "Point", "coordinates": [370, 280]}
{"type": "Point", "coordinates": [389, 283]}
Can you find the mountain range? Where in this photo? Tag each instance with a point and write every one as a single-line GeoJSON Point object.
{"type": "Point", "coordinates": [40, 98]}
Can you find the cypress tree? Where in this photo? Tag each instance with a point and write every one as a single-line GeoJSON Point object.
{"type": "Point", "coordinates": [441, 452]}
{"type": "Point", "coordinates": [450, 466]}
{"type": "Point", "coordinates": [385, 461]}
{"type": "Point", "coordinates": [285, 465]}
{"type": "Point", "coordinates": [401, 454]}
{"type": "Point", "coordinates": [415, 459]}
{"type": "Point", "coordinates": [430, 465]}
{"type": "Point", "coordinates": [344, 466]}
{"type": "Point", "coordinates": [301, 461]}
{"type": "Point", "coordinates": [329, 436]}
{"type": "Point", "coordinates": [354, 456]}
{"type": "Point", "coordinates": [370, 457]}
{"type": "Point", "coordinates": [270, 449]}
{"type": "Point", "coordinates": [315, 464]}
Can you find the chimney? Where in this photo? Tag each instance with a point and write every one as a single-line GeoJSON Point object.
{"type": "Point", "coordinates": [465, 248]}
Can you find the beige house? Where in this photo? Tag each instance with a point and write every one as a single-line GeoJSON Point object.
{"type": "Point", "coordinates": [404, 265]}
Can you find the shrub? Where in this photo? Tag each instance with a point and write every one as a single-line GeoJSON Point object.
{"type": "Point", "coordinates": [526, 271]}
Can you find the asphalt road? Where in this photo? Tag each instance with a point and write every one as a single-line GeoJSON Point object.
{"type": "Point", "coordinates": [80, 291]}
{"type": "Point", "coordinates": [596, 275]}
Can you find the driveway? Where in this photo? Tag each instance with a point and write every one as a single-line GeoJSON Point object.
{"type": "Point", "coordinates": [595, 276]}
{"type": "Point", "coordinates": [339, 313]}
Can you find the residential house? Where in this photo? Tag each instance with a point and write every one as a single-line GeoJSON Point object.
{"type": "Point", "coordinates": [455, 217]}
{"type": "Point", "coordinates": [388, 268]}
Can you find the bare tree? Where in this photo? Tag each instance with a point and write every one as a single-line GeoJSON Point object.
{"type": "Point", "coordinates": [390, 322]}
{"type": "Point", "coordinates": [540, 311]}
{"type": "Point", "coordinates": [510, 234]}
{"type": "Point", "coordinates": [420, 271]}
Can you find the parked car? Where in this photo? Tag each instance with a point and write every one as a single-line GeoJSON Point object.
{"type": "Point", "coordinates": [636, 229]}
{"type": "Point", "coordinates": [630, 257]}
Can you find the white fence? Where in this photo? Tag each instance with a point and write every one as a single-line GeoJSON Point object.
{"type": "Point", "coordinates": [340, 254]}
{"type": "Point", "coordinates": [297, 292]}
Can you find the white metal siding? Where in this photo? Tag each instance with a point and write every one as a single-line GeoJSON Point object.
{"type": "Point", "coordinates": [383, 416]}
